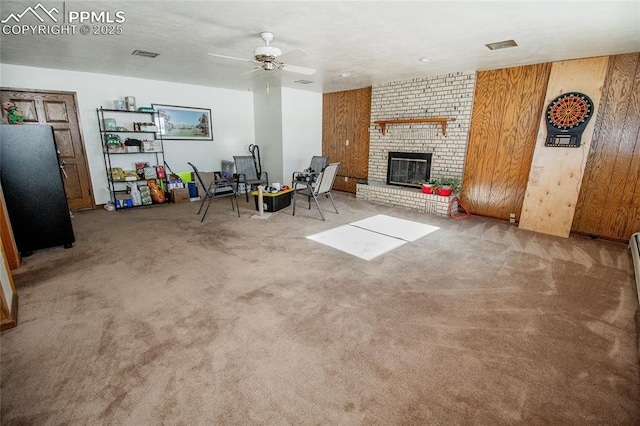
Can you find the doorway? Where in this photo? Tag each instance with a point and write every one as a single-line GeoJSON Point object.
{"type": "Point", "coordinates": [59, 110]}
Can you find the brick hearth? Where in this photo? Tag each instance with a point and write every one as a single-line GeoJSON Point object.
{"type": "Point", "coordinates": [409, 198]}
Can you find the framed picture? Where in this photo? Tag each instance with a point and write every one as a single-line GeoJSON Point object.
{"type": "Point", "coordinates": [184, 123]}
{"type": "Point", "coordinates": [227, 169]}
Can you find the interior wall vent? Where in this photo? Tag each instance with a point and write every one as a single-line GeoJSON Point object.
{"type": "Point", "coordinates": [501, 44]}
{"type": "Point", "coordinates": [145, 53]}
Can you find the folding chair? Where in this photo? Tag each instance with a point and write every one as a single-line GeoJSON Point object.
{"type": "Point", "coordinates": [247, 173]}
{"type": "Point", "coordinates": [218, 188]}
{"type": "Point", "coordinates": [322, 187]}
{"type": "Point", "coordinates": [318, 163]}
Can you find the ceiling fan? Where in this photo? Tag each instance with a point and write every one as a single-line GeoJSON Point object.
{"type": "Point", "coordinates": [270, 57]}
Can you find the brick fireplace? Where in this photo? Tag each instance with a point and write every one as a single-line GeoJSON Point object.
{"type": "Point", "coordinates": [449, 96]}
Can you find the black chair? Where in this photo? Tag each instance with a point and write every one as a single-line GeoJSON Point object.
{"type": "Point", "coordinates": [247, 173]}
{"type": "Point", "coordinates": [218, 188]}
{"type": "Point", "coordinates": [322, 186]}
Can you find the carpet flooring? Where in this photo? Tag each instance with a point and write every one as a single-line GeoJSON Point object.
{"type": "Point", "coordinates": [156, 318]}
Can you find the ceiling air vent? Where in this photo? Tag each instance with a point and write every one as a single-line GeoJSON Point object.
{"type": "Point", "coordinates": [501, 45]}
{"type": "Point", "coordinates": [145, 53]}
{"type": "Point", "coordinates": [303, 81]}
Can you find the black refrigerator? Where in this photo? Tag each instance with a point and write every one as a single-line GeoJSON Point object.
{"type": "Point", "coordinates": [33, 189]}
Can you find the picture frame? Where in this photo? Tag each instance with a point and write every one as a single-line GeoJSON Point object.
{"type": "Point", "coordinates": [184, 123]}
{"type": "Point", "coordinates": [227, 168]}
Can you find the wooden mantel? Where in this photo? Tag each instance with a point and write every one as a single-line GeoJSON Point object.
{"type": "Point", "coordinates": [443, 122]}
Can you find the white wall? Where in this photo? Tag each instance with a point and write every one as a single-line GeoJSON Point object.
{"type": "Point", "coordinates": [268, 117]}
{"type": "Point", "coordinates": [301, 130]}
{"type": "Point", "coordinates": [288, 130]}
{"type": "Point", "coordinates": [233, 114]}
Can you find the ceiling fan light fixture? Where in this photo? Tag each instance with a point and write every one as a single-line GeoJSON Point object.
{"type": "Point", "coordinates": [267, 51]}
{"type": "Point", "coordinates": [265, 57]}
{"type": "Point", "coordinates": [501, 45]}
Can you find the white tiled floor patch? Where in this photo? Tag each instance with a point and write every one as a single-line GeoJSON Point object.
{"type": "Point", "coordinates": [374, 236]}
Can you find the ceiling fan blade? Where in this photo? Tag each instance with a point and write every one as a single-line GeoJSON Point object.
{"type": "Point", "coordinates": [299, 70]}
{"type": "Point", "coordinates": [250, 71]}
{"type": "Point", "coordinates": [232, 57]}
{"type": "Point", "coordinates": [293, 55]}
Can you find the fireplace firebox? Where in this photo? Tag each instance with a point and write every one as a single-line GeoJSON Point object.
{"type": "Point", "coordinates": [408, 168]}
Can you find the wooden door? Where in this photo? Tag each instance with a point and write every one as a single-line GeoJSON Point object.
{"type": "Point", "coordinates": [59, 110]}
{"type": "Point", "coordinates": [506, 112]}
{"type": "Point", "coordinates": [609, 201]}
{"type": "Point", "coordinates": [346, 117]}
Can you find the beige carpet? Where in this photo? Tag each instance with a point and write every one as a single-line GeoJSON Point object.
{"type": "Point", "coordinates": [155, 318]}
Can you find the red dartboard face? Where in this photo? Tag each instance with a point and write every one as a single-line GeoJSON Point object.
{"type": "Point", "coordinates": [569, 111]}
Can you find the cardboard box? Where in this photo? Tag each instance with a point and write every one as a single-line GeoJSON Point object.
{"type": "Point", "coordinates": [150, 173]}
{"type": "Point", "coordinates": [147, 127]}
{"type": "Point", "coordinates": [151, 146]}
{"type": "Point", "coordinates": [180, 195]}
{"type": "Point", "coordinates": [175, 184]}
{"type": "Point", "coordinates": [207, 177]}
{"type": "Point", "coordinates": [123, 201]}
{"type": "Point", "coordinates": [145, 195]}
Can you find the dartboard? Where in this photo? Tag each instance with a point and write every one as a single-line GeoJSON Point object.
{"type": "Point", "coordinates": [567, 116]}
{"type": "Point", "coordinates": [569, 110]}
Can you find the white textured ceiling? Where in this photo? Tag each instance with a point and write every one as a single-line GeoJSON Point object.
{"type": "Point", "coordinates": [375, 42]}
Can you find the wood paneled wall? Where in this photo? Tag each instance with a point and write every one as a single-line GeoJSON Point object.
{"type": "Point", "coordinates": [609, 201]}
{"type": "Point", "coordinates": [508, 104]}
{"type": "Point", "coordinates": [556, 172]}
{"type": "Point", "coordinates": [504, 124]}
{"type": "Point", "coordinates": [346, 117]}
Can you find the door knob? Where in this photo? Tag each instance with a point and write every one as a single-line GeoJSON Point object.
{"type": "Point", "coordinates": [63, 171]}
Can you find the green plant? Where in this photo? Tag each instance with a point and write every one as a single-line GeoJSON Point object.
{"type": "Point", "coordinates": [429, 182]}
{"type": "Point", "coordinates": [452, 183]}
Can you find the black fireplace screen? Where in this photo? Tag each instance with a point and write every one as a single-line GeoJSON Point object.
{"type": "Point", "coordinates": [408, 168]}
